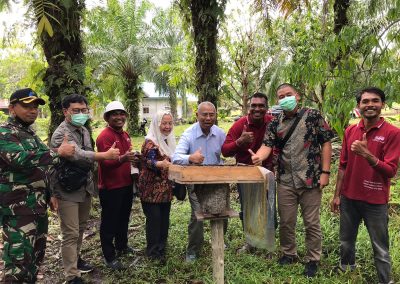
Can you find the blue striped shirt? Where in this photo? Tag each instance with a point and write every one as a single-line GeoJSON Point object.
{"type": "Point", "coordinates": [193, 139]}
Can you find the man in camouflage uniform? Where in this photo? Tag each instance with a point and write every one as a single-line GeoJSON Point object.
{"type": "Point", "coordinates": [24, 160]}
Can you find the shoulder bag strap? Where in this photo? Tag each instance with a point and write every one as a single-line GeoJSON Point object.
{"type": "Point", "coordinates": [292, 128]}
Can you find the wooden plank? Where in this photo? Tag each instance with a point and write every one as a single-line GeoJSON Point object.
{"type": "Point", "coordinates": [200, 216]}
{"type": "Point", "coordinates": [215, 174]}
{"type": "Point", "coordinates": [217, 245]}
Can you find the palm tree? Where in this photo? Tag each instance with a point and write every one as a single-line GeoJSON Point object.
{"type": "Point", "coordinates": [169, 57]}
{"type": "Point", "coordinates": [204, 16]}
{"type": "Point", "coordinates": [117, 37]}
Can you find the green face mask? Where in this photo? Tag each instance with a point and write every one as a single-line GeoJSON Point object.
{"type": "Point", "coordinates": [79, 119]}
{"type": "Point", "coordinates": [288, 103]}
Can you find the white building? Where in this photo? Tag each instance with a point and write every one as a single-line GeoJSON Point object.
{"type": "Point", "coordinates": [154, 102]}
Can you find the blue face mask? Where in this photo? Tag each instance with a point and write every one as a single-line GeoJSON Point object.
{"type": "Point", "coordinates": [288, 103]}
{"type": "Point", "coordinates": [79, 119]}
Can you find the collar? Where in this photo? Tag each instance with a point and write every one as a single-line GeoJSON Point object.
{"type": "Point", "coordinates": [284, 117]}
{"type": "Point", "coordinates": [377, 125]}
{"type": "Point", "coordinates": [200, 132]}
{"type": "Point", "coordinates": [17, 123]}
{"type": "Point", "coordinates": [114, 130]}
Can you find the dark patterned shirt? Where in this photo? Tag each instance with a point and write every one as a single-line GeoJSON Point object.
{"type": "Point", "coordinates": [153, 184]}
{"type": "Point", "coordinates": [299, 162]}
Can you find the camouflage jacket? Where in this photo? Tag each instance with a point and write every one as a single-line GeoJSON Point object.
{"type": "Point", "coordinates": [24, 161]}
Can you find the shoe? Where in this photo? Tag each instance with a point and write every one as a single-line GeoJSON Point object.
{"type": "Point", "coordinates": [310, 269]}
{"type": "Point", "coordinates": [190, 258]}
{"type": "Point", "coordinates": [286, 259]}
{"type": "Point", "coordinates": [115, 265]}
{"type": "Point", "coordinates": [343, 268]}
{"type": "Point", "coordinates": [84, 266]}
{"type": "Point", "coordinates": [76, 280]}
{"type": "Point", "coordinates": [125, 251]}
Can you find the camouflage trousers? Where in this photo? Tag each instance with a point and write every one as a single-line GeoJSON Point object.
{"type": "Point", "coordinates": [24, 238]}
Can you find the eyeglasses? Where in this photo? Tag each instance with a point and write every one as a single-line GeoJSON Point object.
{"type": "Point", "coordinates": [80, 110]}
{"type": "Point", "coordinates": [254, 106]}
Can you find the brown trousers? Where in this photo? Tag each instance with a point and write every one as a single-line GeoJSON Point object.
{"type": "Point", "coordinates": [73, 218]}
{"type": "Point", "coordinates": [309, 200]}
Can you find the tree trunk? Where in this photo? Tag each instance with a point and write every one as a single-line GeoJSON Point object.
{"type": "Point", "coordinates": [172, 103]}
{"type": "Point", "coordinates": [65, 73]}
{"type": "Point", "coordinates": [205, 26]}
{"type": "Point", "coordinates": [132, 103]}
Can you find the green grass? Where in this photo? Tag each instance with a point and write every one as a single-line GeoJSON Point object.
{"type": "Point", "coordinates": [260, 267]}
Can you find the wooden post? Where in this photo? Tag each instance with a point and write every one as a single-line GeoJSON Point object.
{"type": "Point", "coordinates": [217, 244]}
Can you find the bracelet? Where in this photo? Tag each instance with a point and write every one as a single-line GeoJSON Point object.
{"type": "Point", "coordinates": [326, 172]}
{"type": "Point", "coordinates": [119, 159]}
{"type": "Point", "coordinates": [377, 162]}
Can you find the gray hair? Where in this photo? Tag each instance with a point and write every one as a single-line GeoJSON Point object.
{"type": "Point", "coordinates": [206, 103]}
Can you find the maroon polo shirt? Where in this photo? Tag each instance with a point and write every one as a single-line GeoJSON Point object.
{"type": "Point", "coordinates": [112, 173]}
{"type": "Point", "coordinates": [362, 181]}
{"type": "Point", "coordinates": [242, 155]}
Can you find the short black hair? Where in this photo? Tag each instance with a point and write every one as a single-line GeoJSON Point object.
{"type": "Point", "coordinates": [74, 98]}
{"type": "Point", "coordinates": [283, 85]}
{"type": "Point", "coordinates": [373, 90]}
{"type": "Point", "coordinates": [260, 95]}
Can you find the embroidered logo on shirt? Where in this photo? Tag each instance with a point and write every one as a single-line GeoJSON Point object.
{"type": "Point", "coordinates": [380, 139]}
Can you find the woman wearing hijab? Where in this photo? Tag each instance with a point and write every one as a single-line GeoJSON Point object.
{"type": "Point", "coordinates": [154, 187]}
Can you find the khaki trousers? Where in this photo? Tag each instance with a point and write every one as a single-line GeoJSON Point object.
{"type": "Point", "coordinates": [73, 218]}
{"type": "Point", "coordinates": [309, 200]}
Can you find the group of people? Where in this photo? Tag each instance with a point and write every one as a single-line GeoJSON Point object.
{"type": "Point", "coordinates": [295, 145]}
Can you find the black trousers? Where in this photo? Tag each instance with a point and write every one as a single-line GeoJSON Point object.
{"type": "Point", "coordinates": [157, 225]}
{"type": "Point", "coordinates": [116, 207]}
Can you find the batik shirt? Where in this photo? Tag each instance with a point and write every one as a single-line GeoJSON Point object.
{"type": "Point", "coordinates": [153, 184]}
{"type": "Point", "coordinates": [299, 162]}
{"type": "Point", "coordinates": [24, 161]}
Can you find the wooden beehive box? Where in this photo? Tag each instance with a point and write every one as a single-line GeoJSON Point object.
{"type": "Point", "coordinates": [215, 174]}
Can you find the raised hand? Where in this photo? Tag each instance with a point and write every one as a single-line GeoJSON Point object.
{"type": "Point", "coordinates": [246, 138]}
{"type": "Point", "coordinates": [197, 157]}
{"type": "Point", "coordinates": [360, 147]}
{"type": "Point", "coordinates": [112, 153]}
{"type": "Point", "coordinates": [66, 150]}
{"type": "Point", "coordinates": [255, 158]}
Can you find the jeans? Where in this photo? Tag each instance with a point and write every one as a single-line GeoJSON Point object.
{"type": "Point", "coordinates": [375, 217]}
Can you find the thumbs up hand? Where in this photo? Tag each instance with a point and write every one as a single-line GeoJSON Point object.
{"type": "Point", "coordinates": [360, 147]}
{"type": "Point", "coordinates": [66, 150]}
{"type": "Point", "coordinates": [197, 157]}
{"type": "Point", "coordinates": [112, 153]}
{"type": "Point", "coordinates": [246, 138]}
{"type": "Point", "coordinates": [255, 158]}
